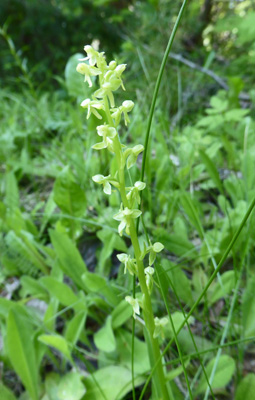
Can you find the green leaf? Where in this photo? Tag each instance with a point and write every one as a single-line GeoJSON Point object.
{"type": "Point", "coordinates": [104, 338]}
{"type": "Point", "coordinates": [75, 327]}
{"type": "Point", "coordinates": [5, 393]}
{"type": "Point", "coordinates": [51, 385]}
{"type": "Point", "coordinates": [75, 81]}
{"type": "Point", "coordinates": [21, 351]}
{"type": "Point", "coordinates": [124, 348]}
{"type": "Point", "coordinates": [212, 170]}
{"type": "Point", "coordinates": [68, 195]}
{"type": "Point", "coordinates": [114, 381]}
{"type": "Point", "coordinates": [111, 241]}
{"type": "Point", "coordinates": [96, 283]}
{"type": "Point", "coordinates": [70, 387]}
{"type": "Point", "coordinates": [179, 280]}
{"type": "Point", "coordinates": [60, 290]}
{"type": "Point", "coordinates": [217, 291]}
{"type": "Point", "coordinates": [176, 371]}
{"type": "Point", "coordinates": [31, 286]}
{"type": "Point", "coordinates": [246, 388]}
{"type": "Point", "coordinates": [58, 342]}
{"type": "Point", "coordinates": [5, 306]}
{"type": "Point", "coordinates": [70, 259]}
{"type": "Point", "coordinates": [121, 313]}
{"type": "Point", "coordinates": [224, 372]}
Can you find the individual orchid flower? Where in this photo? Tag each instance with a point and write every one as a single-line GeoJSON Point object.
{"type": "Point", "coordinates": [108, 133]}
{"type": "Point", "coordinates": [93, 106]}
{"type": "Point", "coordinates": [149, 271]}
{"type": "Point", "coordinates": [128, 262]}
{"type": "Point", "coordinates": [134, 303]}
{"type": "Point", "coordinates": [132, 154]}
{"type": "Point", "coordinates": [103, 180]}
{"type": "Point", "coordinates": [94, 57]}
{"type": "Point", "coordinates": [133, 194]}
{"type": "Point", "coordinates": [124, 216]}
{"type": "Point", "coordinates": [126, 107]}
{"type": "Point", "coordinates": [88, 71]}
{"type": "Point", "coordinates": [160, 323]}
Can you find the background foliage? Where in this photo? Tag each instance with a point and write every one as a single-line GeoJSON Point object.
{"type": "Point", "coordinates": [61, 284]}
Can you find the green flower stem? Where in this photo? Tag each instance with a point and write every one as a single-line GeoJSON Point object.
{"type": "Point", "coordinates": [147, 306]}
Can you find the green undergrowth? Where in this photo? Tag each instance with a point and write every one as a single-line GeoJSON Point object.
{"type": "Point", "coordinates": [66, 330]}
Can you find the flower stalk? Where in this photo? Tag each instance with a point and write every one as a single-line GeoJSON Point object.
{"type": "Point", "coordinates": [103, 102]}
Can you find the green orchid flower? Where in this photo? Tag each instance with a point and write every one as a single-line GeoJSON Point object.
{"type": "Point", "coordinates": [107, 133]}
{"type": "Point", "coordinates": [134, 303]}
{"type": "Point", "coordinates": [93, 106]}
{"type": "Point", "coordinates": [124, 216]}
{"type": "Point", "coordinates": [128, 262]}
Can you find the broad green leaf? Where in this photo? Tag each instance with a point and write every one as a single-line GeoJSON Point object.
{"type": "Point", "coordinates": [51, 385]}
{"type": "Point", "coordinates": [212, 170]}
{"type": "Point", "coordinates": [224, 372]}
{"type": "Point", "coordinates": [69, 257]}
{"type": "Point", "coordinates": [228, 282]}
{"type": "Point", "coordinates": [21, 351]}
{"type": "Point", "coordinates": [104, 338]}
{"type": "Point", "coordinates": [246, 388]}
{"type": "Point", "coordinates": [68, 195]}
{"type": "Point", "coordinates": [5, 306]}
{"type": "Point", "coordinates": [75, 327]}
{"type": "Point", "coordinates": [58, 342]}
{"type": "Point", "coordinates": [121, 313]}
{"type": "Point", "coordinates": [176, 371]}
{"type": "Point", "coordinates": [5, 393]}
{"type": "Point", "coordinates": [124, 348]}
{"type": "Point", "coordinates": [60, 290]}
{"type": "Point", "coordinates": [177, 318]}
{"type": "Point", "coordinates": [75, 81]}
{"type": "Point", "coordinates": [114, 381]}
{"type": "Point", "coordinates": [111, 241]}
{"type": "Point", "coordinates": [179, 280]}
{"type": "Point", "coordinates": [97, 284]}
{"type": "Point", "coordinates": [50, 314]}
{"type": "Point", "coordinates": [31, 286]}
{"type": "Point", "coordinates": [70, 387]}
